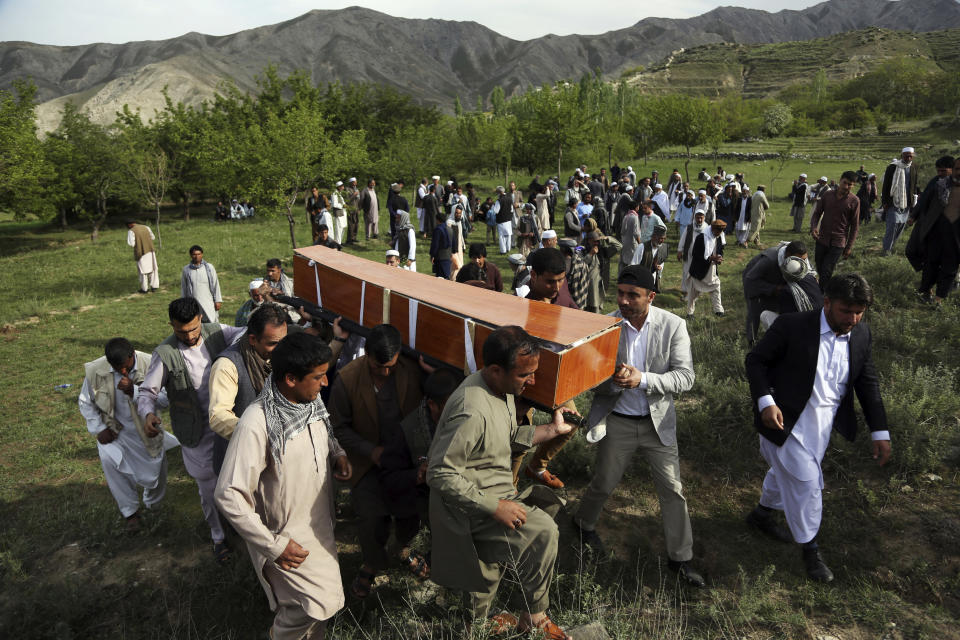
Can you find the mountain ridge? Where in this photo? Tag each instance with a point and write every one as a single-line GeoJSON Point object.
{"type": "Point", "coordinates": [432, 60]}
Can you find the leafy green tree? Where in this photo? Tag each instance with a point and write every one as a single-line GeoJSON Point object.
{"type": "Point", "coordinates": [688, 122]}
{"type": "Point", "coordinates": [95, 162]}
{"type": "Point", "coordinates": [776, 118]}
{"type": "Point", "coordinates": [23, 166]}
{"type": "Point", "coordinates": [147, 162]}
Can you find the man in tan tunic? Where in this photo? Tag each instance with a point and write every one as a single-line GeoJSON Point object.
{"type": "Point", "coordinates": [276, 489]}
{"type": "Point", "coordinates": [140, 237]}
{"type": "Point", "coordinates": [476, 516]}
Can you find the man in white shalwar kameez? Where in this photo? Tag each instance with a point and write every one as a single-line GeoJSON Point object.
{"type": "Point", "coordinates": [276, 489]}
{"type": "Point", "coordinates": [199, 280]}
{"type": "Point", "coordinates": [130, 458]}
{"type": "Point", "coordinates": [743, 218]}
{"type": "Point", "coordinates": [706, 254]}
{"type": "Point", "coordinates": [684, 246]}
{"type": "Point", "coordinates": [140, 237]}
{"type": "Point", "coordinates": [801, 400]}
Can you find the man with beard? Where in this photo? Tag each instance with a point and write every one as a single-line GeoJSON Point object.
{"type": "Point", "coordinates": [834, 225]}
{"type": "Point", "coordinates": [252, 304]}
{"type": "Point", "coordinates": [706, 255]}
{"type": "Point", "coordinates": [396, 202]}
{"type": "Point", "coordinates": [634, 411]}
{"type": "Point", "coordinates": [684, 245]}
{"type": "Point", "coordinates": [897, 196]}
{"type": "Point", "coordinates": [799, 196]}
{"type": "Point", "coordinates": [938, 235]}
{"type": "Point", "coordinates": [352, 198]}
{"type": "Point", "coordinates": [653, 253]}
{"type": "Point", "coordinates": [406, 241]}
{"type": "Point", "coordinates": [276, 490]}
{"type": "Point", "coordinates": [370, 207]}
{"type": "Point", "coordinates": [181, 366]}
{"type": "Point", "coordinates": [478, 520]}
{"type": "Point", "coordinates": [799, 400]}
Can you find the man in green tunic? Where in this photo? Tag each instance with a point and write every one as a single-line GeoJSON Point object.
{"type": "Point", "coordinates": [476, 516]}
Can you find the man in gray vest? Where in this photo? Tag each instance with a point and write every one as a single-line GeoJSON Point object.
{"type": "Point", "coordinates": [239, 372]}
{"type": "Point", "coordinates": [181, 365]}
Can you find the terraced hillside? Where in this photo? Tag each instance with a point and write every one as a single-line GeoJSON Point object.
{"type": "Point", "coordinates": [760, 70]}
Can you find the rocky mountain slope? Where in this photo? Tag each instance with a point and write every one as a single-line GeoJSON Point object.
{"type": "Point", "coordinates": [432, 60]}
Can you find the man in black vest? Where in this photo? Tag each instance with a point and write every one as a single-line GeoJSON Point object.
{"type": "Point", "coordinates": [802, 375]}
{"type": "Point", "coordinates": [181, 365]}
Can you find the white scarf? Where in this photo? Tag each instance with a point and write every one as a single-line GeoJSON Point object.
{"type": "Point", "coordinates": [898, 184]}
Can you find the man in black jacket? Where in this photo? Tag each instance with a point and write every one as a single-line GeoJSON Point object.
{"type": "Point", "coordinates": [802, 374]}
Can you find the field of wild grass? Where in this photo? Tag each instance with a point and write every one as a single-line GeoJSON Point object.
{"type": "Point", "coordinates": [67, 569]}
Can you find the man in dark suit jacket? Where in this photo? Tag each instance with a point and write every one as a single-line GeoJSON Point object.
{"type": "Point", "coordinates": [802, 374]}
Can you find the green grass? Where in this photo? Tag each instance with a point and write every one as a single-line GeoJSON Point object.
{"type": "Point", "coordinates": [68, 570]}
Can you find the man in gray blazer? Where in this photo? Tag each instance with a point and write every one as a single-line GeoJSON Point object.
{"type": "Point", "coordinates": [634, 411]}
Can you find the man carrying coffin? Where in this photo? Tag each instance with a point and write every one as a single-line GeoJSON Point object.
{"type": "Point", "coordinates": [476, 516]}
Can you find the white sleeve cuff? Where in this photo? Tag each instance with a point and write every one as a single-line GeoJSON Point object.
{"type": "Point", "coordinates": [880, 435]}
{"type": "Point", "coordinates": [765, 401]}
{"type": "Point", "coordinates": [643, 380]}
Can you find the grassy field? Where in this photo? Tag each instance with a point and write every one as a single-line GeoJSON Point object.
{"type": "Point", "coordinates": [68, 570]}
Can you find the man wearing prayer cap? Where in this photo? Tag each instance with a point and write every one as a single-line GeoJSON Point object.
{"type": "Point", "coordinates": [897, 197]}
{"type": "Point", "coordinates": [251, 305]}
{"type": "Point", "coordinates": [633, 412]}
{"type": "Point", "coordinates": [548, 239]}
{"type": "Point", "coordinates": [706, 254]}
{"type": "Point", "coordinates": [764, 279]}
{"type": "Point", "coordinates": [799, 197]}
{"type": "Point", "coordinates": [392, 258]}
{"type": "Point", "coordinates": [351, 196]}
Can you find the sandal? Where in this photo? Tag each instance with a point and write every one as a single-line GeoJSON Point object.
{"type": "Point", "coordinates": [502, 623]}
{"type": "Point", "coordinates": [550, 629]}
{"type": "Point", "coordinates": [416, 564]}
{"type": "Point", "coordinates": [362, 585]}
{"type": "Point", "coordinates": [221, 552]}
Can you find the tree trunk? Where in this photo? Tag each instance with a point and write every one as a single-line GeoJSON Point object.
{"type": "Point", "coordinates": [159, 240]}
{"type": "Point", "coordinates": [101, 217]}
{"type": "Point", "coordinates": [186, 206]}
{"type": "Point", "coordinates": [686, 165]}
{"type": "Point", "coordinates": [63, 218]}
{"type": "Point", "coordinates": [293, 238]}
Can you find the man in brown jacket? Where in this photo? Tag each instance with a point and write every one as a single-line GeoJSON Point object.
{"type": "Point", "coordinates": [370, 396]}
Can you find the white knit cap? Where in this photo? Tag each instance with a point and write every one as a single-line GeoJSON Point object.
{"type": "Point", "coordinates": [549, 233]}
{"type": "Point", "coordinates": [658, 186]}
{"type": "Point", "coordinates": [803, 175]}
{"type": "Point", "coordinates": [435, 178]}
{"type": "Point", "coordinates": [255, 284]}
{"type": "Point", "coordinates": [907, 150]}
{"type": "Point", "coordinates": [392, 252]}
{"type": "Point", "coordinates": [352, 180]}
{"type": "Point", "coordinates": [339, 183]}
{"type": "Point", "coordinates": [823, 179]}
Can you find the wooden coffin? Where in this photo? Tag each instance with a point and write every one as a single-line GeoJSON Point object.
{"type": "Point", "coordinates": [440, 318]}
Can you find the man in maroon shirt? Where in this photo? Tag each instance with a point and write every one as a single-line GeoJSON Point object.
{"type": "Point", "coordinates": [548, 283]}
{"type": "Point", "coordinates": [834, 225]}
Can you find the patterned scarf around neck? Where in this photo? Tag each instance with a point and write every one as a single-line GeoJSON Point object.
{"type": "Point", "coordinates": [898, 184]}
{"type": "Point", "coordinates": [257, 368]}
{"type": "Point", "coordinates": [286, 419]}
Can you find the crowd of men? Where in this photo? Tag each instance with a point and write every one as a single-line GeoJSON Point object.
{"type": "Point", "coordinates": [266, 440]}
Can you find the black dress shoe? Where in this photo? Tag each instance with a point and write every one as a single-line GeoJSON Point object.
{"type": "Point", "coordinates": [687, 573]}
{"type": "Point", "coordinates": [589, 539]}
{"type": "Point", "coordinates": [766, 524]}
{"type": "Point", "coordinates": [817, 569]}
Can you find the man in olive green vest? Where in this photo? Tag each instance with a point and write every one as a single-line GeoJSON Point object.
{"type": "Point", "coordinates": [476, 516]}
{"type": "Point", "coordinates": [181, 365]}
{"type": "Point", "coordinates": [370, 397]}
